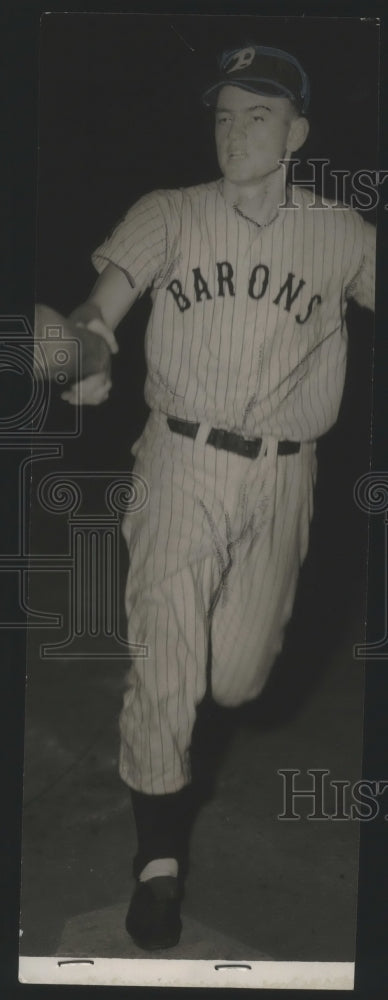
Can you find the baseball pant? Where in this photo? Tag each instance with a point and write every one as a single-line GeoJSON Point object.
{"type": "Point", "coordinates": [215, 555]}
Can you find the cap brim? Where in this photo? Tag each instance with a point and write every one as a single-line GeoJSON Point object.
{"type": "Point", "coordinates": [269, 87]}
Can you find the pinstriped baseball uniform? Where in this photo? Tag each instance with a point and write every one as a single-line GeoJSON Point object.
{"type": "Point", "coordinates": [247, 333]}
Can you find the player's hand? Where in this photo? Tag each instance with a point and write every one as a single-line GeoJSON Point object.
{"type": "Point", "coordinates": [92, 391]}
{"type": "Point", "coordinates": [95, 389]}
{"type": "Point", "coordinates": [88, 316]}
{"type": "Point", "coordinates": [96, 344]}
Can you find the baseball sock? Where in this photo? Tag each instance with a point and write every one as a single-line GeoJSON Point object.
{"type": "Point", "coordinates": [162, 823]}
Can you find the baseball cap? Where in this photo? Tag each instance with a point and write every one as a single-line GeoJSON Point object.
{"type": "Point", "coordinates": [262, 70]}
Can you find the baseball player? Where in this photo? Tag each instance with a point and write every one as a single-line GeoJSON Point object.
{"type": "Point", "coordinates": [246, 350]}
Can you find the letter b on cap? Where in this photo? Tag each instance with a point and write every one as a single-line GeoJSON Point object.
{"type": "Point", "coordinates": [240, 59]}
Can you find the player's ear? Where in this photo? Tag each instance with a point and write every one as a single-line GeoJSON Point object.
{"type": "Point", "coordinates": [299, 130]}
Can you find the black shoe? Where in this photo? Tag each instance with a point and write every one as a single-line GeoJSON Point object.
{"type": "Point", "coordinates": [153, 919]}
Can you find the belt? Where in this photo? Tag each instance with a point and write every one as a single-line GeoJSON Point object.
{"type": "Point", "coordinates": [219, 438]}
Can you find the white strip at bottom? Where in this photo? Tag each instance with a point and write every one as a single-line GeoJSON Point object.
{"type": "Point", "coordinates": [170, 972]}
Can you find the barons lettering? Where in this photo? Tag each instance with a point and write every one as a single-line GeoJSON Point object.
{"type": "Point", "coordinates": [257, 287]}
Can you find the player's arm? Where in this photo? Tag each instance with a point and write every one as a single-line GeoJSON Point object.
{"type": "Point", "coordinates": [127, 263]}
{"type": "Point", "coordinates": [362, 285]}
{"type": "Point", "coordinates": [109, 301]}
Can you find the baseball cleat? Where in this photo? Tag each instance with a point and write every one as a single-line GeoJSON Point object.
{"type": "Point", "coordinates": [153, 919]}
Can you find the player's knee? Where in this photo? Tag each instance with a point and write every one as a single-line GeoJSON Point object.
{"type": "Point", "coordinates": [234, 699]}
{"type": "Point", "coordinates": [241, 682]}
{"type": "Point", "coordinates": [232, 696]}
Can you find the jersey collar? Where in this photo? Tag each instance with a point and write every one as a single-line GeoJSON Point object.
{"type": "Point", "coordinates": [287, 200]}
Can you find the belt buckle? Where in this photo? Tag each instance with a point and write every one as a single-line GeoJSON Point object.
{"type": "Point", "coordinates": [235, 443]}
{"type": "Point", "coordinates": [254, 447]}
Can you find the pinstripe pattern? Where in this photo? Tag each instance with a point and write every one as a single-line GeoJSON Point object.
{"type": "Point", "coordinates": [247, 332]}
{"type": "Point", "coordinates": [212, 553]}
{"type": "Point", "coordinates": [247, 329]}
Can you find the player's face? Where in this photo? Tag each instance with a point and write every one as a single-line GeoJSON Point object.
{"type": "Point", "coordinates": [253, 132]}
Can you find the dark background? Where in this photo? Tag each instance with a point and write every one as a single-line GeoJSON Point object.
{"type": "Point", "coordinates": [98, 153]}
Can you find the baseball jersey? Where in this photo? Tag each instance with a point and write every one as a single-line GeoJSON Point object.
{"type": "Point", "coordinates": [247, 329]}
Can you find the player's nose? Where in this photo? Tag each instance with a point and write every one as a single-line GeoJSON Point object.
{"type": "Point", "coordinates": [237, 130]}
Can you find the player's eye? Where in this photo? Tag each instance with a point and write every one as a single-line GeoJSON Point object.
{"type": "Point", "coordinates": [222, 119]}
{"type": "Point", "coordinates": [258, 118]}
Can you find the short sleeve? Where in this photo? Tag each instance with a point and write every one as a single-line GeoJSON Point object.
{"type": "Point", "coordinates": [138, 244]}
{"type": "Point", "coordinates": [361, 287]}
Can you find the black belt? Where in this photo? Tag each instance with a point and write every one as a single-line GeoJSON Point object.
{"type": "Point", "coordinates": [229, 441]}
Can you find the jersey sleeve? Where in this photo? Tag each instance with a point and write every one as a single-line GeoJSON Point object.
{"type": "Point", "coordinates": [361, 287]}
{"type": "Point", "coordinates": [138, 244]}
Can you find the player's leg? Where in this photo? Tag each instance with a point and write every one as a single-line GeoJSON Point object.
{"type": "Point", "coordinates": [170, 586]}
{"type": "Point", "coordinates": [170, 618]}
{"type": "Point", "coordinates": [173, 574]}
{"type": "Point", "coordinates": [256, 602]}
{"type": "Point", "coordinates": [156, 725]}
